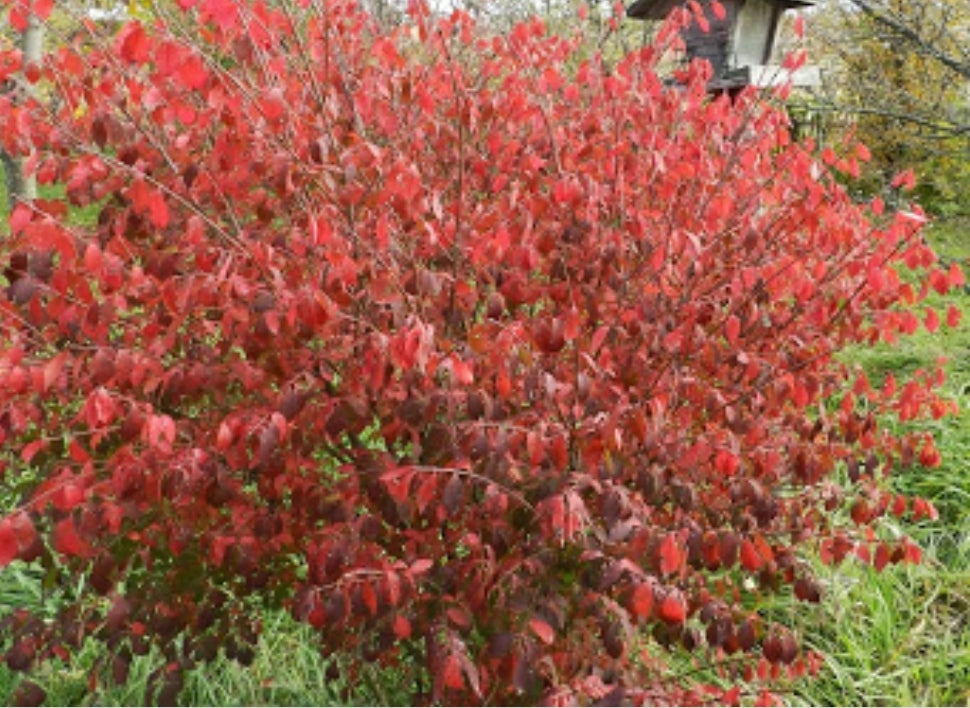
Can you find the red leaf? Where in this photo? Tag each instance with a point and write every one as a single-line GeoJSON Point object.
{"type": "Point", "coordinates": [272, 105]}
{"type": "Point", "coordinates": [672, 556]}
{"type": "Point", "coordinates": [421, 566]}
{"type": "Point", "coordinates": [222, 12]}
{"type": "Point", "coordinates": [92, 259]}
{"type": "Point", "coordinates": [956, 276]}
{"type": "Point", "coordinates": [32, 73]}
{"type": "Point", "coordinates": [882, 556]}
{"type": "Point", "coordinates": [929, 456]}
{"type": "Point", "coordinates": [20, 217]}
{"type": "Point", "coordinates": [426, 492]}
{"type": "Point", "coordinates": [398, 484]}
{"type": "Point", "coordinates": [51, 371]}
{"type": "Point", "coordinates": [402, 627]}
{"type": "Point", "coordinates": [542, 630]}
{"type": "Point", "coordinates": [451, 674]}
{"type": "Point", "coordinates": [905, 180]}
{"type": "Point", "coordinates": [160, 433]}
{"type": "Point", "coordinates": [19, 17]}
{"type": "Point", "coordinates": [924, 508]}
{"type": "Point", "coordinates": [67, 541]}
{"type": "Point", "coordinates": [369, 597]}
{"type": "Point", "coordinates": [23, 529]}
{"type": "Point", "coordinates": [953, 316]}
{"type": "Point", "coordinates": [134, 43]}
{"type": "Point", "coordinates": [224, 437]}
{"type": "Point", "coordinates": [31, 449]}
{"type": "Point", "coordinates": [9, 548]}
{"type": "Point", "coordinates": [148, 200]}
{"type": "Point", "coordinates": [392, 583]}
{"type": "Point", "coordinates": [641, 602]}
{"type": "Point", "coordinates": [750, 558]}
{"type": "Point", "coordinates": [672, 608]}
{"type": "Point", "coordinates": [28, 693]}
{"type": "Point", "coordinates": [503, 384]}
{"type": "Point", "coordinates": [68, 496]}
{"type": "Point", "coordinates": [459, 617]}
{"type": "Point", "coordinates": [193, 73]}
{"type": "Point", "coordinates": [732, 329]}
{"type": "Point", "coordinates": [726, 463]}
{"type": "Point", "coordinates": [940, 282]}
{"type": "Point", "coordinates": [912, 554]}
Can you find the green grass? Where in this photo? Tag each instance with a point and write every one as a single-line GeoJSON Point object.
{"type": "Point", "coordinates": [902, 637]}
{"type": "Point", "coordinates": [288, 670]}
{"type": "Point", "coordinates": [899, 637]}
{"type": "Point", "coordinates": [951, 237]}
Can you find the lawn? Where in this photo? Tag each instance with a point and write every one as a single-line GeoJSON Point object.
{"type": "Point", "coordinates": [902, 637]}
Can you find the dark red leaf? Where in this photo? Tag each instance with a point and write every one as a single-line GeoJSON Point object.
{"type": "Point", "coordinates": [28, 693]}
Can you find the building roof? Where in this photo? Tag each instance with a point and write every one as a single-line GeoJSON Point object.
{"type": "Point", "coordinates": [659, 9]}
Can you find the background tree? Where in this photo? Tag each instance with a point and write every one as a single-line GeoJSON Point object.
{"type": "Point", "coordinates": [17, 86]}
{"type": "Point", "coordinates": [896, 77]}
{"type": "Point", "coordinates": [938, 30]}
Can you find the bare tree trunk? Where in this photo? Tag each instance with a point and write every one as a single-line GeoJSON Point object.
{"type": "Point", "coordinates": [20, 186]}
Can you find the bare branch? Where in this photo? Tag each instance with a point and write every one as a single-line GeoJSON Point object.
{"type": "Point", "coordinates": [898, 25]}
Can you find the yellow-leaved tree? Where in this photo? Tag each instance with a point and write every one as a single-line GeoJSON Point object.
{"type": "Point", "coordinates": [897, 76]}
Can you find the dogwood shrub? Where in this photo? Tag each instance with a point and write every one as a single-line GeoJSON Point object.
{"type": "Point", "coordinates": [471, 351]}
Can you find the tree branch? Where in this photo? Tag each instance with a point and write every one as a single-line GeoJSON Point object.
{"type": "Point", "coordinates": [900, 27]}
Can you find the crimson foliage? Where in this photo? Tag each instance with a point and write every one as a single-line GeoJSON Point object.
{"type": "Point", "coordinates": [459, 347]}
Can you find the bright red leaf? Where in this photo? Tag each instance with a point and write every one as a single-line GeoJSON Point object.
{"type": "Point", "coordinates": [543, 630]}
{"type": "Point", "coordinates": [641, 602]}
{"type": "Point", "coordinates": [67, 541]}
{"type": "Point", "coordinates": [9, 548]}
{"type": "Point", "coordinates": [672, 555]}
{"type": "Point", "coordinates": [672, 608]}
{"type": "Point", "coordinates": [451, 674]}
{"type": "Point", "coordinates": [953, 316]}
{"type": "Point", "coordinates": [751, 559]}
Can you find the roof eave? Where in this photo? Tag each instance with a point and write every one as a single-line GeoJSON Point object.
{"type": "Point", "coordinates": [659, 9]}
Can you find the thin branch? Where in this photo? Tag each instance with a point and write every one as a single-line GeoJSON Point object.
{"type": "Point", "coordinates": [900, 27]}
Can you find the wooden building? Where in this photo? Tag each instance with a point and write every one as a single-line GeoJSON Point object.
{"type": "Point", "coordinates": [739, 45]}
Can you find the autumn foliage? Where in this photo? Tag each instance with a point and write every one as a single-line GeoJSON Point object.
{"type": "Point", "coordinates": [472, 352]}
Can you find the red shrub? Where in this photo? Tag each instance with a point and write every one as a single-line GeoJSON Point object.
{"type": "Point", "coordinates": [442, 341]}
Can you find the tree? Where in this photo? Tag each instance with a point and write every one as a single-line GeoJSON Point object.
{"type": "Point", "coordinates": [936, 30]}
{"type": "Point", "coordinates": [897, 72]}
{"type": "Point", "coordinates": [17, 87]}
{"type": "Point", "coordinates": [456, 346]}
